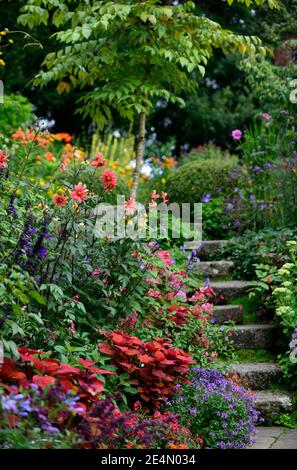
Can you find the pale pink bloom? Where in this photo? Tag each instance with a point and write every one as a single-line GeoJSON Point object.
{"type": "Point", "coordinates": [155, 195]}
{"type": "Point", "coordinates": [153, 203]}
{"type": "Point", "coordinates": [96, 272]}
{"type": "Point", "coordinates": [164, 197]}
{"type": "Point", "coordinates": [130, 206]}
{"type": "Point", "coordinates": [182, 294]}
{"type": "Point", "coordinates": [80, 193]}
{"type": "Point", "coordinates": [267, 116]}
{"type": "Point", "coordinates": [236, 134]}
{"type": "Point", "coordinates": [165, 257]}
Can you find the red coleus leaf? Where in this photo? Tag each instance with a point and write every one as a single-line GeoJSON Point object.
{"type": "Point", "coordinates": [43, 380]}
{"type": "Point", "coordinates": [105, 348]}
{"type": "Point", "coordinates": [131, 367]}
{"type": "Point", "coordinates": [65, 369]}
{"type": "Point", "coordinates": [93, 387]}
{"type": "Point", "coordinates": [86, 363]}
{"type": "Point", "coordinates": [117, 338]}
{"type": "Point", "coordinates": [160, 356]}
{"type": "Point", "coordinates": [122, 348]}
{"type": "Point", "coordinates": [161, 375]}
{"type": "Point", "coordinates": [9, 371]}
{"type": "Point", "coordinates": [134, 340]}
{"type": "Point", "coordinates": [167, 362]}
{"type": "Point", "coordinates": [132, 352]}
{"type": "Point", "coordinates": [145, 358]}
{"type": "Point", "coordinates": [47, 366]}
{"type": "Point", "coordinates": [96, 370]}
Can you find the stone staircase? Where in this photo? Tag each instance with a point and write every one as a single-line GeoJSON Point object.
{"type": "Point", "coordinates": [262, 376]}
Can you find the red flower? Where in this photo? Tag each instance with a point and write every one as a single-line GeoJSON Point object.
{"type": "Point", "coordinates": [109, 180]}
{"type": "Point", "coordinates": [3, 160]}
{"type": "Point", "coordinates": [99, 160]}
{"type": "Point", "coordinates": [60, 200]}
{"type": "Point", "coordinates": [80, 193]}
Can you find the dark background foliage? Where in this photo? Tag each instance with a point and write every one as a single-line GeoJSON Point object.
{"type": "Point", "coordinates": [224, 100]}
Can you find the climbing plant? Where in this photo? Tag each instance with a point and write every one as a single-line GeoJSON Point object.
{"type": "Point", "coordinates": [127, 55]}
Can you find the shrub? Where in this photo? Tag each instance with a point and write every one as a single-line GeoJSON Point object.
{"type": "Point", "coordinates": [44, 371]}
{"type": "Point", "coordinates": [16, 111]}
{"type": "Point", "coordinates": [192, 181]}
{"type": "Point", "coordinates": [154, 367]}
{"type": "Point", "coordinates": [221, 410]}
{"type": "Point", "coordinates": [208, 152]}
{"type": "Point", "coordinates": [39, 418]}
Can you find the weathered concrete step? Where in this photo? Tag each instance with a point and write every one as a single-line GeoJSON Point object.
{"type": "Point", "coordinates": [260, 375]}
{"type": "Point", "coordinates": [253, 336]}
{"type": "Point", "coordinates": [207, 247]}
{"type": "Point", "coordinates": [275, 437]}
{"type": "Point", "coordinates": [224, 313]}
{"type": "Point", "coordinates": [230, 289]}
{"type": "Point", "coordinates": [270, 402]}
{"type": "Point", "coordinates": [215, 268]}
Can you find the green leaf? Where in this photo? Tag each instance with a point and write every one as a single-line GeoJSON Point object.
{"type": "Point", "coordinates": [36, 296]}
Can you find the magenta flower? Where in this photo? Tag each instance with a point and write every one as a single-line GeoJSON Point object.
{"type": "Point", "coordinates": [267, 116]}
{"type": "Point", "coordinates": [236, 134]}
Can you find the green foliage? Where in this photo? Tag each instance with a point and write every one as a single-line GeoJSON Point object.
{"type": "Point", "coordinates": [288, 420]}
{"type": "Point", "coordinates": [104, 42]}
{"type": "Point", "coordinates": [16, 111]}
{"type": "Point", "coordinates": [190, 182]}
{"type": "Point", "coordinates": [279, 286]}
{"type": "Point", "coordinates": [114, 149]}
{"type": "Point", "coordinates": [210, 152]}
{"type": "Point", "coordinates": [267, 246]}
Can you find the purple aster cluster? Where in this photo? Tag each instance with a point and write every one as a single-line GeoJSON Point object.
{"type": "Point", "coordinates": [221, 411]}
{"type": "Point", "coordinates": [39, 407]}
{"type": "Point", "coordinates": [31, 249]}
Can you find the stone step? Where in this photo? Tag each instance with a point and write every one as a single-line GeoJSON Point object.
{"type": "Point", "coordinates": [206, 248]}
{"type": "Point", "coordinates": [260, 375]}
{"type": "Point", "coordinates": [253, 336]}
{"type": "Point", "coordinates": [215, 268]}
{"type": "Point", "coordinates": [230, 289]}
{"type": "Point", "coordinates": [270, 402]}
{"type": "Point", "coordinates": [224, 313]}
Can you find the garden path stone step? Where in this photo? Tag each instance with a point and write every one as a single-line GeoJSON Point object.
{"type": "Point", "coordinates": [253, 336]}
{"type": "Point", "coordinates": [206, 247]}
{"type": "Point", "coordinates": [215, 268]}
{"type": "Point", "coordinates": [230, 289]}
{"type": "Point", "coordinates": [273, 402]}
{"type": "Point", "coordinates": [260, 375]}
{"type": "Point", "coordinates": [224, 313]}
{"type": "Point", "coordinates": [275, 437]}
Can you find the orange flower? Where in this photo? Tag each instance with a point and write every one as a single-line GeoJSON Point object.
{"type": "Point", "coordinates": [63, 137]}
{"type": "Point", "coordinates": [99, 160]}
{"type": "Point", "coordinates": [80, 193]}
{"type": "Point", "coordinates": [50, 157]}
{"type": "Point", "coordinates": [60, 200]}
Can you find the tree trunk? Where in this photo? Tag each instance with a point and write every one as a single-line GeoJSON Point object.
{"type": "Point", "coordinates": [139, 156]}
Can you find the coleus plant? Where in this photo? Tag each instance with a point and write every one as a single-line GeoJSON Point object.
{"type": "Point", "coordinates": [154, 367]}
{"type": "Point", "coordinates": [34, 367]}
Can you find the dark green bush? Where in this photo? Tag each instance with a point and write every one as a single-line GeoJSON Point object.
{"type": "Point", "coordinates": [15, 112]}
{"type": "Point", "coordinates": [192, 181]}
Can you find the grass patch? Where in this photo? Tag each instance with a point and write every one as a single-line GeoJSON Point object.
{"type": "Point", "coordinates": [254, 355]}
